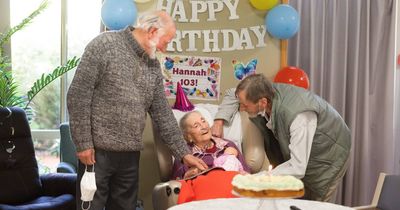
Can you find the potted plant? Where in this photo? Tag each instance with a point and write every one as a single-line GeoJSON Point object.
{"type": "Point", "coordinates": [9, 95]}
{"type": "Point", "coordinates": [11, 101]}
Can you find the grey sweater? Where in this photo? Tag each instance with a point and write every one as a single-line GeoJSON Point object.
{"type": "Point", "coordinates": [115, 85]}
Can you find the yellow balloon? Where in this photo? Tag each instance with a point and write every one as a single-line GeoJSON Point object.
{"type": "Point", "coordinates": [263, 4]}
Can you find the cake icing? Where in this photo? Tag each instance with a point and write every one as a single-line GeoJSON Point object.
{"type": "Point", "coordinates": [267, 182]}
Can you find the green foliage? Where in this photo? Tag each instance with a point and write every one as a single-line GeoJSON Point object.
{"type": "Point", "coordinates": [47, 79]}
{"type": "Point", "coordinates": [8, 88]}
{"type": "Point", "coordinates": [46, 107]}
{"type": "Point", "coordinates": [8, 91]}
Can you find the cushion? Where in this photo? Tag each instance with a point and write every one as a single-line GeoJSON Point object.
{"type": "Point", "coordinates": [21, 180]}
{"type": "Point", "coordinates": [62, 202]}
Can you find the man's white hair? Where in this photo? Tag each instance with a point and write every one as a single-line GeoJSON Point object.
{"type": "Point", "coordinates": [155, 19]}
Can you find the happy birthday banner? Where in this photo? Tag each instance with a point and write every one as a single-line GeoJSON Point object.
{"type": "Point", "coordinates": [198, 76]}
{"type": "Point", "coordinates": [189, 11]}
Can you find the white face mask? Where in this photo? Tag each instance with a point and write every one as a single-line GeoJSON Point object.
{"type": "Point", "coordinates": [260, 112]}
{"type": "Point", "coordinates": [88, 187]}
{"type": "Point", "coordinates": [154, 42]}
{"type": "Point", "coordinates": [153, 48]}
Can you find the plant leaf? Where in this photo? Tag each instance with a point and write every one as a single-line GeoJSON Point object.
{"type": "Point", "coordinates": [46, 79]}
{"type": "Point", "coordinates": [8, 91]}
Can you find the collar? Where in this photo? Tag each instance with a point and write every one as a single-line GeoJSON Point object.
{"type": "Point", "coordinates": [140, 52]}
{"type": "Point", "coordinates": [218, 142]}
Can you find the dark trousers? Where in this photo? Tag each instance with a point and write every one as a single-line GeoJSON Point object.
{"type": "Point", "coordinates": [117, 178]}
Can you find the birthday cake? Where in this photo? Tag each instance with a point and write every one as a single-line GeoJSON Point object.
{"type": "Point", "coordinates": [267, 186]}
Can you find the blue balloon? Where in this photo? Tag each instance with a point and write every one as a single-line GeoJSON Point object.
{"type": "Point", "coordinates": [118, 14]}
{"type": "Point", "coordinates": [282, 21]}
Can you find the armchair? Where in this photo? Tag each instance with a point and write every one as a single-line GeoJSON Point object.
{"type": "Point", "coordinates": [21, 185]}
{"type": "Point", "coordinates": [68, 160]}
{"type": "Point", "coordinates": [387, 193]}
{"type": "Point", "coordinates": [165, 194]}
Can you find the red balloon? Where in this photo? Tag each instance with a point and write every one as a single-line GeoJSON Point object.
{"type": "Point", "coordinates": [294, 76]}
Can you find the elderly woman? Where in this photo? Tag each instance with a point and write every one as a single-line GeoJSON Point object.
{"type": "Point", "coordinates": [215, 152]}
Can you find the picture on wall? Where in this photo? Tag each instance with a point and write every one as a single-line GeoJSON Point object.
{"type": "Point", "coordinates": [198, 76]}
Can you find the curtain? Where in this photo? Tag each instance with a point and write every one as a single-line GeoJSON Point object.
{"type": "Point", "coordinates": [347, 49]}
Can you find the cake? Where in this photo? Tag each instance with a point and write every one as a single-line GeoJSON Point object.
{"type": "Point", "coordinates": [267, 186]}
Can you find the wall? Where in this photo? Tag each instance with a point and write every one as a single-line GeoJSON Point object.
{"type": "Point", "coordinates": [268, 64]}
{"type": "Point", "coordinates": [397, 91]}
{"type": "Point", "coordinates": [5, 23]}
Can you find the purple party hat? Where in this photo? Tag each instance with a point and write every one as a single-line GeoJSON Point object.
{"type": "Point", "coordinates": [182, 103]}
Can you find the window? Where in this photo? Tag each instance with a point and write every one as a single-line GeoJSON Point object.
{"type": "Point", "coordinates": [41, 47]}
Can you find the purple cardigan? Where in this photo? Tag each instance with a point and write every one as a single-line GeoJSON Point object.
{"type": "Point", "coordinates": [179, 169]}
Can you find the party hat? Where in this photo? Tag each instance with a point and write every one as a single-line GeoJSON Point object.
{"type": "Point", "coordinates": [182, 103]}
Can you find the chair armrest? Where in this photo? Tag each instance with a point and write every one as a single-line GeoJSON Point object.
{"type": "Point", "coordinates": [166, 194]}
{"type": "Point", "coordinates": [64, 167]}
{"type": "Point", "coordinates": [164, 156]}
{"type": "Point", "coordinates": [54, 184]}
{"type": "Point", "coordinates": [368, 207]}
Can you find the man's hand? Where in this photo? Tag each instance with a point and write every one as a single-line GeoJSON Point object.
{"type": "Point", "coordinates": [192, 161]}
{"type": "Point", "coordinates": [231, 151]}
{"type": "Point", "coordinates": [217, 129]}
{"type": "Point", "coordinates": [86, 156]}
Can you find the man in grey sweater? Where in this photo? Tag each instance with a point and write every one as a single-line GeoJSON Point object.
{"type": "Point", "coordinates": [118, 82]}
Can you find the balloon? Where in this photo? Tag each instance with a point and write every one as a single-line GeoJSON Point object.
{"type": "Point", "coordinates": [294, 76]}
{"type": "Point", "coordinates": [263, 4]}
{"type": "Point", "coordinates": [118, 14]}
{"type": "Point", "coordinates": [142, 1]}
{"type": "Point", "coordinates": [282, 21]}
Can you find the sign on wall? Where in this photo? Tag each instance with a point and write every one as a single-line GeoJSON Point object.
{"type": "Point", "coordinates": [199, 76]}
{"type": "Point", "coordinates": [231, 39]}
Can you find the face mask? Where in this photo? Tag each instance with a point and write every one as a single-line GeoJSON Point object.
{"type": "Point", "coordinates": [88, 187]}
{"type": "Point", "coordinates": [153, 48]}
{"type": "Point", "coordinates": [154, 42]}
{"type": "Point", "coordinates": [260, 112]}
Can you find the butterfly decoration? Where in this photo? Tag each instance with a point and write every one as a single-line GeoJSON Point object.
{"type": "Point", "coordinates": [214, 88]}
{"type": "Point", "coordinates": [212, 80]}
{"type": "Point", "coordinates": [169, 88]}
{"type": "Point", "coordinates": [210, 93]}
{"type": "Point", "coordinates": [201, 93]}
{"type": "Point", "coordinates": [241, 70]}
{"type": "Point", "coordinates": [168, 63]}
{"type": "Point", "coordinates": [213, 64]}
{"type": "Point", "coordinates": [191, 92]}
{"type": "Point", "coordinates": [185, 90]}
{"type": "Point", "coordinates": [198, 62]}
